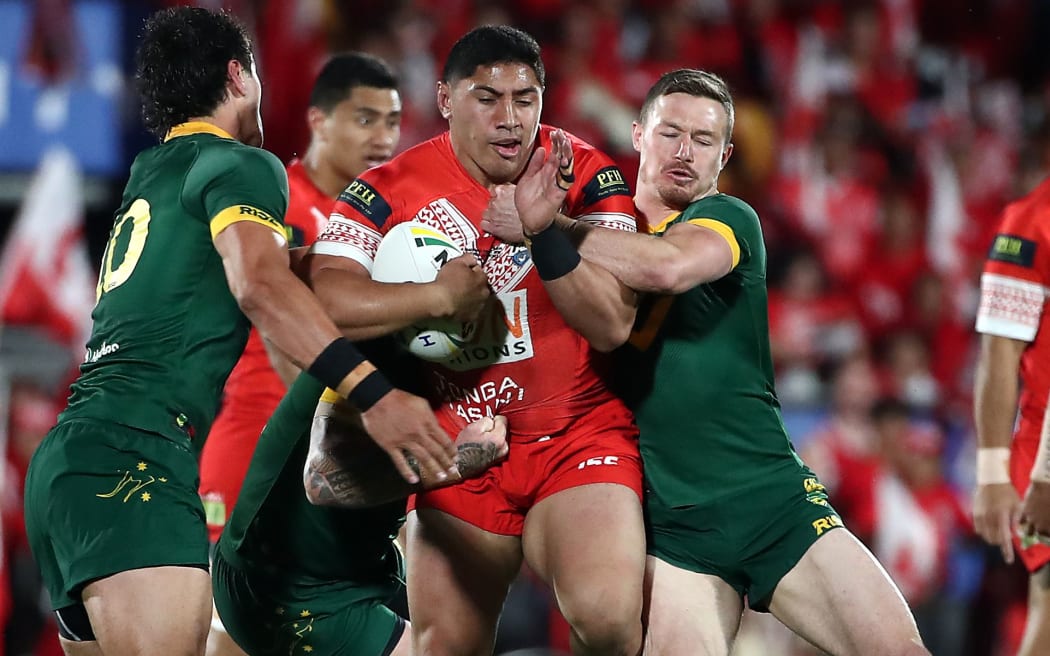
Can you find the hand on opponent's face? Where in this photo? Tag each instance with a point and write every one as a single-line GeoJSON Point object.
{"type": "Point", "coordinates": [542, 188]}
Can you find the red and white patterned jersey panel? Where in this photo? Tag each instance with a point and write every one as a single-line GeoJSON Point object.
{"type": "Point", "coordinates": [1014, 287]}
{"type": "Point", "coordinates": [523, 360]}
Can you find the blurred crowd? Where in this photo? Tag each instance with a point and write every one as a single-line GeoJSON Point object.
{"type": "Point", "coordinates": [878, 140]}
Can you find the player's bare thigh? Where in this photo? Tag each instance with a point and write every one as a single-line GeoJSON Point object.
{"type": "Point", "coordinates": [688, 613]}
{"type": "Point", "coordinates": [588, 544]}
{"type": "Point", "coordinates": [458, 577]}
{"type": "Point", "coordinates": [819, 599]}
{"type": "Point", "coordinates": [141, 610]}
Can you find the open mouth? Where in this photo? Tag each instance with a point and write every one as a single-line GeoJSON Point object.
{"type": "Point", "coordinates": [680, 176]}
{"type": "Point", "coordinates": [376, 160]}
{"type": "Point", "coordinates": [508, 148]}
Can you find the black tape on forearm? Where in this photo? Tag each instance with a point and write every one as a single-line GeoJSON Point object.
{"type": "Point", "coordinates": [337, 361]}
{"type": "Point", "coordinates": [368, 392]}
{"type": "Point", "coordinates": [553, 253]}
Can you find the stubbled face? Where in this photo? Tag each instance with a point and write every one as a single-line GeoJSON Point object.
{"type": "Point", "coordinates": [250, 116]}
{"type": "Point", "coordinates": [493, 117]}
{"type": "Point", "coordinates": [361, 131]}
{"type": "Point", "coordinates": [682, 143]}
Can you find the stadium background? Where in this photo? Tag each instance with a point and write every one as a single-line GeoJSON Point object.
{"type": "Point", "coordinates": [878, 140]}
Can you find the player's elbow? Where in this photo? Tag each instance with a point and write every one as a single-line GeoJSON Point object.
{"type": "Point", "coordinates": [611, 334]}
{"type": "Point", "coordinates": [253, 294]}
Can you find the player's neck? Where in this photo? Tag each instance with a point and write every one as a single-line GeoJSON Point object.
{"type": "Point", "coordinates": [322, 174]}
{"type": "Point", "coordinates": [651, 206]}
{"type": "Point", "coordinates": [225, 118]}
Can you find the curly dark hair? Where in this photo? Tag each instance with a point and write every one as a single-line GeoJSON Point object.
{"type": "Point", "coordinates": [180, 64]}
{"type": "Point", "coordinates": [492, 44]}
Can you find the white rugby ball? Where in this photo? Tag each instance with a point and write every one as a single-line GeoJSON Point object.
{"type": "Point", "coordinates": [415, 252]}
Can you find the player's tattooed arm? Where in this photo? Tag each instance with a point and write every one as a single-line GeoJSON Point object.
{"type": "Point", "coordinates": [345, 468]}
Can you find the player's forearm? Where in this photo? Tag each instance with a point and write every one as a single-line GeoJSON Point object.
{"type": "Point", "coordinates": [347, 469]}
{"type": "Point", "coordinates": [285, 369]}
{"type": "Point", "coordinates": [287, 315]}
{"type": "Point", "coordinates": [996, 391]}
{"type": "Point", "coordinates": [365, 309]}
{"type": "Point", "coordinates": [595, 304]}
{"type": "Point", "coordinates": [638, 261]}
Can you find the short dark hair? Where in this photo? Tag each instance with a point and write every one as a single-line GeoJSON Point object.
{"type": "Point", "coordinates": [346, 71]}
{"type": "Point", "coordinates": [694, 82]}
{"type": "Point", "coordinates": [492, 44]}
{"type": "Point", "coordinates": [180, 64]}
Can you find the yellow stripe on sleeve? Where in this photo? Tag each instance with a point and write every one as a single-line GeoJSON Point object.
{"type": "Point", "coordinates": [235, 213]}
{"type": "Point", "coordinates": [726, 232]}
{"type": "Point", "coordinates": [330, 396]}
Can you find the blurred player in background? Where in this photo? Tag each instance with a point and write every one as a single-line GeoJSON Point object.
{"type": "Point", "coordinates": [1013, 454]}
{"type": "Point", "coordinates": [354, 118]}
{"type": "Point", "coordinates": [198, 253]}
{"type": "Point", "coordinates": [567, 497]}
{"type": "Point", "coordinates": [732, 512]}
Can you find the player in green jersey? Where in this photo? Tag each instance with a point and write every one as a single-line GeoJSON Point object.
{"type": "Point", "coordinates": [732, 513]}
{"type": "Point", "coordinates": [291, 577]}
{"type": "Point", "coordinates": [197, 251]}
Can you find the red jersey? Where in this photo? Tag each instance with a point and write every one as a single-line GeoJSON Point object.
{"type": "Point", "coordinates": [253, 389]}
{"type": "Point", "coordinates": [1013, 292]}
{"type": "Point", "coordinates": [523, 361]}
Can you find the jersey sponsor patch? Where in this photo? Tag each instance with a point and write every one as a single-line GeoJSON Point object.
{"type": "Point", "coordinates": [501, 335]}
{"type": "Point", "coordinates": [1013, 250]}
{"type": "Point", "coordinates": [606, 182]}
{"type": "Point", "coordinates": [365, 199]}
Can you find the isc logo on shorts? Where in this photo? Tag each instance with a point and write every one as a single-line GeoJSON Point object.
{"type": "Point", "coordinates": [594, 462]}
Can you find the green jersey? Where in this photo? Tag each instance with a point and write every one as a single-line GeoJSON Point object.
{"type": "Point", "coordinates": [167, 330]}
{"type": "Point", "coordinates": [275, 530]}
{"type": "Point", "coordinates": [699, 374]}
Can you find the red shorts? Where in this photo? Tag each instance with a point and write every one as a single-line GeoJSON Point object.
{"type": "Point", "coordinates": [224, 464]}
{"type": "Point", "coordinates": [601, 447]}
{"type": "Point", "coordinates": [1022, 457]}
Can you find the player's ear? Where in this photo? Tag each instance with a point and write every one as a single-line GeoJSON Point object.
{"type": "Point", "coordinates": [636, 136]}
{"type": "Point", "coordinates": [444, 99]}
{"type": "Point", "coordinates": [235, 78]}
{"type": "Point", "coordinates": [315, 118]}
{"type": "Point", "coordinates": [725, 155]}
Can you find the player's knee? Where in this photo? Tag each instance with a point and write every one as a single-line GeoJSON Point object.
{"type": "Point", "coordinates": [602, 627]}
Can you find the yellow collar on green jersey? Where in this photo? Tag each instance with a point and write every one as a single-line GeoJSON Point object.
{"type": "Point", "coordinates": [196, 127]}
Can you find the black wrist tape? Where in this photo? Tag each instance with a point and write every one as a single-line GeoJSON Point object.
{"type": "Point", "coordinates": [336, 362]}
{"type": "Point", "coordinates": [368, 392]}
{"type": "Point", "coordinates": [553, 253]}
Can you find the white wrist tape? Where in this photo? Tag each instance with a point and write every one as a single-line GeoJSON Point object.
{"type": "Point", "coordinates": [993, 465]}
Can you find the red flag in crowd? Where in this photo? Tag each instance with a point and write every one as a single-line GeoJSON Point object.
{"type": "Point", "coordinates": [45, 278]}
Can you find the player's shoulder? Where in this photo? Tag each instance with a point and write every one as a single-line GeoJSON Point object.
{"type": "Point", "coordinates": [226, 155]}
{"type": "Point", "coordinates": [428, 159]}
{"type": "Point", "coordinates": [583, 151]}
{"type": "Point", "coordinates": [723, 207]}
{"type": "Point", "coordinates": [1029, 214]}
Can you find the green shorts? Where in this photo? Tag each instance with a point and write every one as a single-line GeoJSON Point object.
{"type": "Point", "coordinates": [750, 540]}
{"type": "Point", "coordinates": [101, 498]}
{"type": "Point", "coordinates": [270, 617]}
